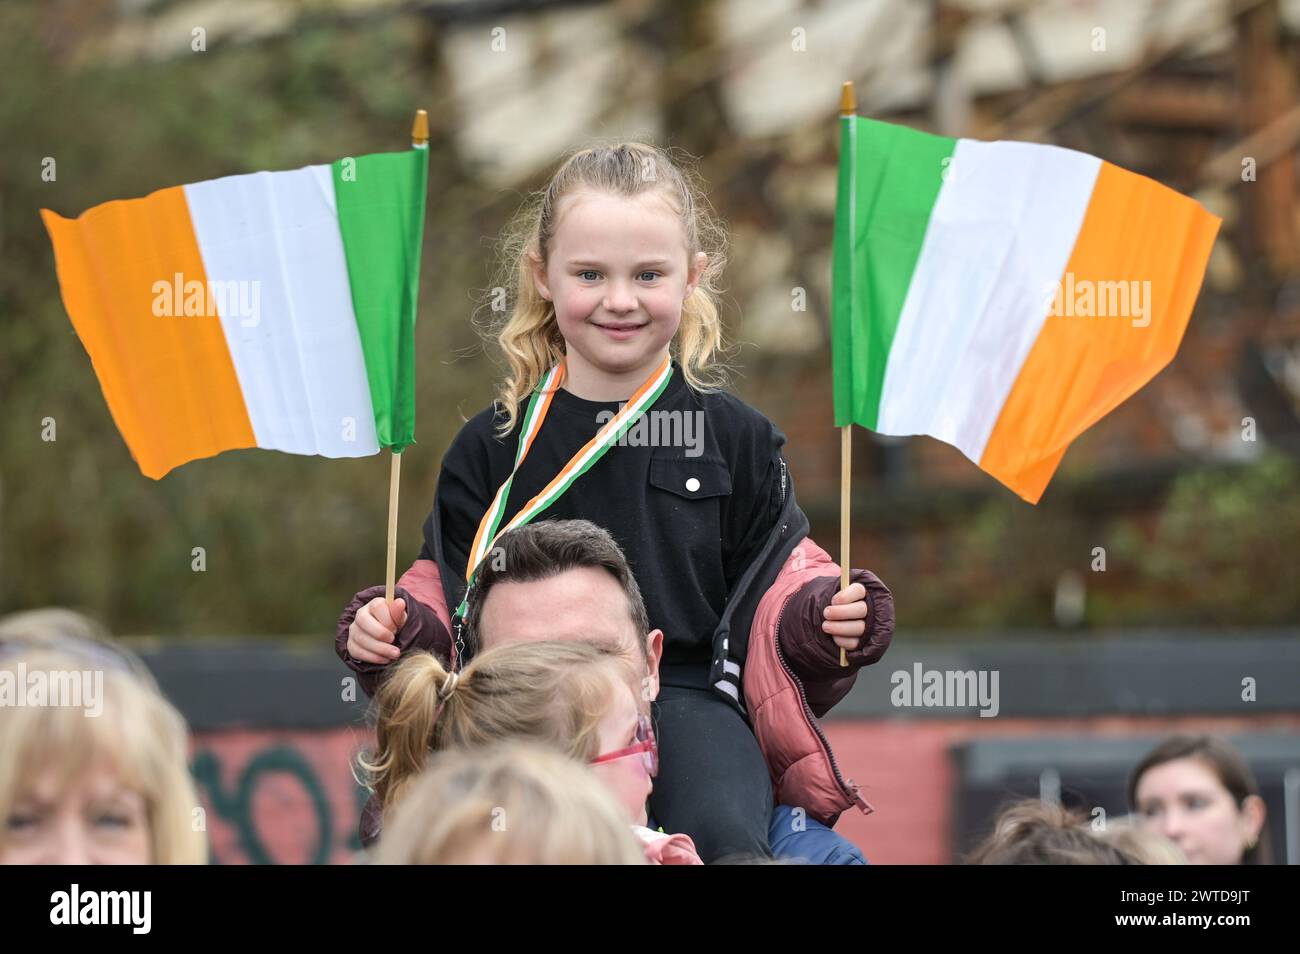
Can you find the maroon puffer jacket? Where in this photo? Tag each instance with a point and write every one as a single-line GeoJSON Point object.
{"type": "Point", "coordinates": [791, 676]}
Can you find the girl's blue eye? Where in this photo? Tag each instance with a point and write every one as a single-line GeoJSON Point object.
{"type": "Point", "coordinates": [650, 273]}
{"type": "Point", "coordinates": [583, 275]}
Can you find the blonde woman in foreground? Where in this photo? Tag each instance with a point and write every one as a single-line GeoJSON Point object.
{"type": "Point", "coordinates": [103, 780]}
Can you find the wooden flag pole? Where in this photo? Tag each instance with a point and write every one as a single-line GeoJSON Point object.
{"type": "Point", "coordinates": [419, 140]}
{"type": "Point", "coordinates": [848, 107]}
{"type": "Point", "coordinates": [394, 481]}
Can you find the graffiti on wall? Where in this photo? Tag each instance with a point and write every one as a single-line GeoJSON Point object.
{"type": "Point", "coordinates": [280, 797]}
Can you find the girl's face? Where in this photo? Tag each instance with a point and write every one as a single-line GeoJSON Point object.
{"type": "Point", "coordinates": [626, 777]}
{"type": "Point", "coordinates": [92, 820]}
{"type": "Point", "coordinates": [617, 275]}
{"type": "Point", "coordinates": [1185, 801]}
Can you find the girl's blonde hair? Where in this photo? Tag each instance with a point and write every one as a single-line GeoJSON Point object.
{"type": "Point", "coordinates": [138, 733]}
{"type": "Point", "coordinates": [1149, 847]}
{"type": "Point", "coordinates": [529, 337]}
{"type": "Point", "coordinates": [511, 803]}
{"type": "Point", "coordinates": [551, 692]}
{"type": "Point", "coordinates": [1034, 832]}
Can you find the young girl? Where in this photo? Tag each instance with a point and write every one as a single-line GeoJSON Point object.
{"type": "Point", "coordinates": [576, 697]}
{"type": "Point", "coordinates": [610, 412]}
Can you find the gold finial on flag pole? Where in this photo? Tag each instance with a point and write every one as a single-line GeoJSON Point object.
{"type": "Point", "coordinates": [848, 107]}
{"type": "Point", "coordinates": [419, 140]}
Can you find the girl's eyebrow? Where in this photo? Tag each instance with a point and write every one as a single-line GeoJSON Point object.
{"type": "Point", "coordinates": [660, 262]}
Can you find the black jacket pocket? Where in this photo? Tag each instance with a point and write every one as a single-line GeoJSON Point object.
{"type": "Point", "coordinates": [691, 478]}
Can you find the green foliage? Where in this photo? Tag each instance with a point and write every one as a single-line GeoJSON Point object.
{"type": "Point", "coordinates": [287, 539]}
{"type": "Point", "coordinates": [1225, 548]}
{"type": "Point", "coordinates": [1218, 551]}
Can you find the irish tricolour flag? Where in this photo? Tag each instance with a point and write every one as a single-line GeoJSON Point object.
{"type": "Point", "coordinates": [1002, 296]}
{"type": "Point", "coordinates": [273, 310]}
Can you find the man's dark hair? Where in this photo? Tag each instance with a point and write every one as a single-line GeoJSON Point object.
{"type": "Point", "coordinates": [539, 551]}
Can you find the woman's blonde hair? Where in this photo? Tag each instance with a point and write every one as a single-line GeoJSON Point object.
{"type": "Point", "coordinates": [551, 692]}
{"type": "Point", "coordinates": [138, 733]}
{"type": "Point", "coordinates": [510, 803]}
{"type": "Point", "coordinates": [56, 627]}
{"type": "Point", "coordinates": [528, 335]}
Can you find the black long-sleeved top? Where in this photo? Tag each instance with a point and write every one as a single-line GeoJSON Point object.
{"type": "Point", "coordinates": [688, 518]}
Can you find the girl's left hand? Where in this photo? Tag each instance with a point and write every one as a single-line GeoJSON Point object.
{"type": "Point", "coordinates": [845, 617]}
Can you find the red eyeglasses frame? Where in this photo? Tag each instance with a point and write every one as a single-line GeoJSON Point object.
{"type": "Point", "coordinates": [645, 743]}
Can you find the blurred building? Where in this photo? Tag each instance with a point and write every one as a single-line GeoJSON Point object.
{"type": "Point", "coordinates": [1199, 94]}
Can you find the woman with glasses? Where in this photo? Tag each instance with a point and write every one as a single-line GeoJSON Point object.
{"type": "Point", "coordinates": [577, 697]}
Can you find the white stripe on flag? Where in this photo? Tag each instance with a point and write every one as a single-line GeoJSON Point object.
{"type": "Point", "coordinates": [1001, 231]}
{"type": "Point", "coordinates": [300, 367]}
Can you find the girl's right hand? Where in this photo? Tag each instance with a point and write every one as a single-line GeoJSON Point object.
{"type": "Point", "coordinates": [371, 635]}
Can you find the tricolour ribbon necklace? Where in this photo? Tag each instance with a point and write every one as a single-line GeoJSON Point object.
{"type": "Point", "coordinates": [578, 464]}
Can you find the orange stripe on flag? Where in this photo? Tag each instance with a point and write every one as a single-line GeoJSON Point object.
{"type": "Point", "coordinates": [168, 380]}
{"type": "Point", "coordinates": [1082, 367]}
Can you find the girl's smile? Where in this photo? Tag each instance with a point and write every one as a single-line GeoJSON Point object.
{"type": "Point", "coordinates": [621, 330]}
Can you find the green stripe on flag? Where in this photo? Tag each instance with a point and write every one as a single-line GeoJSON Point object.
{"type": "Point", "coordinates": [889, 179]}
{"type": "Point", "coordinates": [381, 202]}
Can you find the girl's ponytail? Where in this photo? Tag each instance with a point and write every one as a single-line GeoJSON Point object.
{"type": "Point", "coordinates": [551, 692]}
{"type": "Point", "coordinates": [409, 705]}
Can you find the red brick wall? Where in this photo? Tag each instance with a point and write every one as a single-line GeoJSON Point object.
{"type": "Point", "coordinates": [289, 797]}
{"type": "Point", "coordinates": [908, 777]}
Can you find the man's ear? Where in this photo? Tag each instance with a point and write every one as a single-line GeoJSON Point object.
{"type": "Point", "coordinates": [654, 651]}
{"type": "Point", "coordinates": [538, 268]}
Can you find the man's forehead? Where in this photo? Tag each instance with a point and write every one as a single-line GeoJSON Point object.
{"type": "Point", "coordinates": [546, 631]}
{"type": "Point", "coordinates": [581, 604]}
